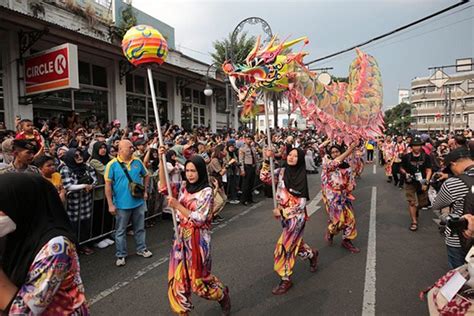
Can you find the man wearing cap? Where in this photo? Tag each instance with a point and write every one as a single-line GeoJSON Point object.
{"type": "Point", "coordinates": [416, 167]}
{"type": "Point", "coordinates": [452, 194]}
{"type": "Point", "coordinates": [23, 154]}
{"type": "Point", "coordinates": [248, 161]}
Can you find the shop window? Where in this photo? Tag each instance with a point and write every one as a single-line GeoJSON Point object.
{"type": "Point", "coordinates": [196, 98]}
{"type": "Point", "coordinates": [202, 117]}
{"type": "Point", "coordinates": [136, 109]}
{"type": "Point", "coordinates": [139, 84]}
{"type": "Point", "coordinates": [187, 95]}
{"type": "Point", "coordinates": [84, 73]}
{"type": "Point", "coordinates": [162, 90]}
{"type": "Point", "coordinates": [99, 76]}
{"type": "Point", "coordinates": [202, 98]}
{"type": "Point", "coordinates": [88, 102]}
{"type": "Point", "coordinates": [129, 83]}
{"type": "Point", "coordinates": [186, 118]}
{"type": "Point", "coordinates": [162, 111]}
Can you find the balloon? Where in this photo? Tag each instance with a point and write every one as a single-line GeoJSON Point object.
{"type": "Point", "coordinates": [143, 44]}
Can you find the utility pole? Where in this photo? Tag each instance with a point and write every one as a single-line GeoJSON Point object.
{"type": "Point", "coordinates": [450, 109]}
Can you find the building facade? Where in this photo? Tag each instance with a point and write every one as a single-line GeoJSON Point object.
{"type": "Point", "coordinates": [431, 105]}
{"type": "Point", "coordinates": [109, 87]}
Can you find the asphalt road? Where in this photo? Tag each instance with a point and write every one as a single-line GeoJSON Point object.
{"type": "Point", "coordinates": [402, 264]}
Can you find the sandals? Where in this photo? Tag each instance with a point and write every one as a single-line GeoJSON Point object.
{"type": "Point", "coordinates": [414, 227]}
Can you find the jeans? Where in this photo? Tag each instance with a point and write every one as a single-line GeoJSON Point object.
{"type": "Point", "coordinates": [455, 257]}
{"type": "Point", "coordinates": [138, 223]}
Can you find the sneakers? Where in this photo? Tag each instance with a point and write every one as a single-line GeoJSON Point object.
{"type": "Point", "coordinates": [109, 241]}
{"type": "Point", "coordinates": [256, 192]}
{"type": "Point", "coordinates": [102, 244]}
{"type": "Point", "coordinates": [234, 201]}
{"type": "Point", "coordinates": [347, 243]}
{"type": "Point", "coordinates": [120, 262]}
{"type": "Point", "coordinates": [145, 253]}
{"type": "Point", "coordinates": [282, 288]}
{"type": "Point", "coordinates": [225, 302]}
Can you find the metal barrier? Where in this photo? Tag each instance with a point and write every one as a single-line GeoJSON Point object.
{"type": "Point", "coordinates": [95, 235]}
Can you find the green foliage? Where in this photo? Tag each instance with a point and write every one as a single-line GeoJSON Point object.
{"type": "Point", "coordinates": [129, 19]}
{"type": "Point", "coordinates": [241, 48]}
{"type": "Point", "coordinates": [340, 79]}
{"type": "Point", "coordinates": [398, 118]}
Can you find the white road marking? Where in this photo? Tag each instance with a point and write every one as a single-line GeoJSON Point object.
{"type": "Point", "coordinates": [117, 286]}
{"type": "Point", "coordinates": [312, 207]}
{"type": "Point", "coordinates": [368, 305]}
{"type": "Point", "coordinates": [375, 169]}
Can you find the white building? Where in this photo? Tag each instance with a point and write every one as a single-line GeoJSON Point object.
{"type": "Point", "coordinates": [431, 104]}
{"type": "Point", "coordinates": [403, 96]}
{"type": "Point", "coordinates": [109, 87]}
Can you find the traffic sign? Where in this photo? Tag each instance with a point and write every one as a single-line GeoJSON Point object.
{"type": "Point", "coordinates": [467, 85]}
{"type": "Point", "coordinates": [439, 78]}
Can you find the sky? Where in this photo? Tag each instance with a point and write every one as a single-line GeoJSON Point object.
{"type": "Point", "coordinates": [332, 25]}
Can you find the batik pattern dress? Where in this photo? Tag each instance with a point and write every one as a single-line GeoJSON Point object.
{"type": "Point", "coordinates": [190, 257]}
{"type": "Point", "coordinates": [337, 186]}
{"type": "Point", "coordinates": [356, 161]}
{"type": "Point", "coordinates": [291, 243]}
{"type": "Point", "coordinates": [387, 149]}
{"type": "Point", "coordinates": [53, 284]}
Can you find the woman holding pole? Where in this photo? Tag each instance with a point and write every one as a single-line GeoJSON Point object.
{"type": "Point", "coordinates": [190, 257]}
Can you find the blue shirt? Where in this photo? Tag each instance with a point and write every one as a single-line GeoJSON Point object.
{"type": "Point", "coordinates": [122, 197]}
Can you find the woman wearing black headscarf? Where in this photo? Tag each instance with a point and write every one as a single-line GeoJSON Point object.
{"type": "Point", "coordinates": [102, 220]}
{"type": "Point", "coordinates": [40, 267]}
{"type": "Point", "coordinates": [190, 258]}
{"type": "Point", "coordinates": [79, 179]}
{"type": "Point", "coordinates": [337, 181]}
{"type": "Point", "coordinates": [292, 196]}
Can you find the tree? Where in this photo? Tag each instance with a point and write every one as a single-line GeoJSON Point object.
{"type": "Point", "coordinates": [398, 119]}
{"type": "Point", "coordinates": [241, 48]}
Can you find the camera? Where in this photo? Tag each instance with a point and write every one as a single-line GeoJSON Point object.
{"type": "Point", "coordinates": [456, 223]}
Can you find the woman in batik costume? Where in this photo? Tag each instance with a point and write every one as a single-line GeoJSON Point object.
{"type": "Point", "coordinates": [337, 185]}
{"type": "Point", "coordinates": [292, 196]}
{"type": "Point", "coordinates": [190, 257]}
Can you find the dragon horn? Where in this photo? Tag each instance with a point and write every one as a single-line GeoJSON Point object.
{"type": "Point", "coordinates": [254, 51]}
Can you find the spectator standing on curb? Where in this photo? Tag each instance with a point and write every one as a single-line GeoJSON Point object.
{"type": "Point", "coordinates": [123, 204]}
{"type": "Point", "coordinates": [248, 160]}
{"type": "Point", "coordinates": [23, 154]}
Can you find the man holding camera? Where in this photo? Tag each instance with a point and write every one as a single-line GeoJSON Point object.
{"type": "Point", "coordinates": [126, 187]}
{"type": "Point", "coordinates": [453, 193]}
{"type": "Point", "coordinates": [416, 167]}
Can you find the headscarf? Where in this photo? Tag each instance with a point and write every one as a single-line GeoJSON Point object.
{"type": "Point", "coordinates": [78, 169]}
{"type": "Point", "coordinates": [169, 157]}
{"type": "Point", "coordinates": [203, 181]}
{"type": "Point", "coordinates": [295, 176]}
{"type": "Point", "coordinates": [33, 203]}
{"type": "Point", "coordinates": [95, 153]}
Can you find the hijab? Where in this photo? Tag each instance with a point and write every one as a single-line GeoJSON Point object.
{"type": "Point", "coordinates": [203, 181]}
{"type": "Point", "coordinates": [33, 203]}
{"type": "Point", "coordinates": [169, 157]}
{"type": "Point", "coordinates": [295, 176]}
{"type": "Point", "coordinates": [78, 169]}
{"type": "Point", "coordinates": [95, 153]}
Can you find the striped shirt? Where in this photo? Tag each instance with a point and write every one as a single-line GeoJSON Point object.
{"type": "Point", "coordinates": [452, 194]}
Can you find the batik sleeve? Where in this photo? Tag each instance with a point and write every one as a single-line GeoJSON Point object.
{"type": "Point", "coordinates": [204, 205]}
{"type": "Point", "coordinates": [44, 279]}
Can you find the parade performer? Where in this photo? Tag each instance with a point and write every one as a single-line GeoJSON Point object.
{"type": "Point", "coordinates": [292, 196]}
{"type": "Point", "coordinates": [357, 161]}
{"type": "Point", "coordinates": [190, 257]}
{"type": "Point", "coordinates": [337, 186]}
{"type": "Point", "coordinates": [387, 149]}
{"type": "Point", "coordinates": [40, 273]}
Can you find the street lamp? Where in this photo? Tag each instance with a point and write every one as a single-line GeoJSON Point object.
{"type": "Point", "coordinates": [208, 90]}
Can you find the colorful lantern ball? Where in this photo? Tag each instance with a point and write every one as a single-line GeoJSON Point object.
{"type": "Point", "coordinates": [143, 44]}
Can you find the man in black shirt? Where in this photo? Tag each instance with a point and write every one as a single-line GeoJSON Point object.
{"type": "Point", "coordinates": [416, 167]}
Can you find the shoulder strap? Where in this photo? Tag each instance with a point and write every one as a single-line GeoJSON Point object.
{"type": "Point", "coordinates": [124, 168]}
{"type": "Point", "coordinates": [469, 198]}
